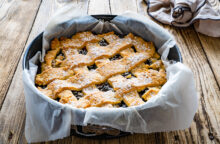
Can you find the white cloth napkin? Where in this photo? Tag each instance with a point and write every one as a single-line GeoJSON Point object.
{"type": "Point", "coordinates": [183, 13]}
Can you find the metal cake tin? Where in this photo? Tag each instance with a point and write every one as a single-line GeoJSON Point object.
{"type": "Point", "coordinates": [36, 45]}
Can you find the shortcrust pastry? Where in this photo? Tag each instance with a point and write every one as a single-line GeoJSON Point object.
{"type": "Point", "coordinates": [102, 70]}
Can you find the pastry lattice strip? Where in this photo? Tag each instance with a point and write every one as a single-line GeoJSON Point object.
{"type": "Point", "coordinates": [73, 59]}
{"type": "Point", "coordinates": [104, 71]}
{"type": "Point", "coordinates": [130, 98]}
{"type": "Point", "coordinates": [126, 86]}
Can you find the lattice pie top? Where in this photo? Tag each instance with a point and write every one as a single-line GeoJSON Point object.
{"type": "Point", "coordinates": [90, 70]}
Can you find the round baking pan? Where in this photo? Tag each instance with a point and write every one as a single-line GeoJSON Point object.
{"type": "Point", "coordinates": [36, 45]}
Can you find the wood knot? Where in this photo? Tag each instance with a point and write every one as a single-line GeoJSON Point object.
{"type": "Point", "coordinates": [10, 135]}
{"type": "Point", "coordinates": [176, 137]}
{"type": "Point", "coordinates": [211, 136]}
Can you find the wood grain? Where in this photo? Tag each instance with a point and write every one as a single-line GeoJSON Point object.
{"type": "Point", "coordinates": [206, 120]}
{"type": "Point", "coordinates": [12, 114]}
{"type": "Point", "coordinates": [16, 19]}
{"type": "Point", "coordinates": [12, 125]}
{"type": "Point", "coordinates": [205, 128]}
{"type": "Point", "coordinates": [211, 48]}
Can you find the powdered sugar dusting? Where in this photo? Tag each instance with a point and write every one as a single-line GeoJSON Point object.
{"type": "Point", "coordinates": [73, 73]}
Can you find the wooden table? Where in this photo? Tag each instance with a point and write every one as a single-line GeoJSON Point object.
{"type": "Point", "coordinates": [22, 20]}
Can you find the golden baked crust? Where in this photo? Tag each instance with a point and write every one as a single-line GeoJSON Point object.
{"type": "Point", "coordinates": [103, 70]}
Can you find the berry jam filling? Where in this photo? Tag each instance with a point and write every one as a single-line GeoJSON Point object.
{"type": "Point", "coordinates": [57, 99]}
{"type": "Point", "coordinates": [134, 48]}
{"type": "Point", "coordinates": [92, 67]}
{"type": "Point", "coordinates": [148, 61]}
{"type": "Point", "coordinates": [127, 74]}
{"type": "Point", "coordinates": [116, 57]}
{"type": "Point", "coordinates": [77, 94]}
{"type": "Point", "coordinates": [42, 86]}
{"type": "Point", "coordinates": [122, 104]}
{"type": "Point", "coordinates": [60, 54]}
{"type": "Point", "coordinates": [142, 92]}
{"type": "Point", "coordinates": [83, 51]}
{"type": "Point", "coordinates": [103, 42]}
{"type": "Point", "coordinates": [104, 87]}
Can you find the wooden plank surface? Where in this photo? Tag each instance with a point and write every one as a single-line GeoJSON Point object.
{"type": "Point", "coordinates": [205, 127]}
{"type": "Point", "coordinates": [196, 53]}
{"type": "Point", "coordinates": [16, 19]}
{"type": "Point", "coordinates": [211, 46]}
{"type": "Point", "coordinates": [12, 114]}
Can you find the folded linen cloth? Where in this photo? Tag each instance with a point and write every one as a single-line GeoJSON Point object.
{"type": "Point", "coordinates": [183, 13]}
